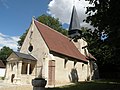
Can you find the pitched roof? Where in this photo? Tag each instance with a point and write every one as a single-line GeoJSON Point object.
{"type": "Point", "coordinates": [2, 64]}
{"type": "Point", "coordinates": [90, 56]}
{"type": "Point", "coordinates": [59, 43]}
{"type": "Point", "coordinates": [25, 56]}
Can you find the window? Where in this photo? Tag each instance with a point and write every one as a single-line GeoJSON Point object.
{"type": "Point", "coordinates": [65, 62]}
{"type": "Point", "coordinates": [82, 66]}
{"type": "Point", "coordinates": [30, 48]}
{"type": "Point", "coordinates": [75, 63]}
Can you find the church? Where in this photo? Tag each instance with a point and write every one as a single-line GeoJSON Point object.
{"type": "Point", "coordinates": [49, 54]}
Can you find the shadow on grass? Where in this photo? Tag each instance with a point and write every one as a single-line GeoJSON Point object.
{"type": "Point", "coordinates": [96, 85]}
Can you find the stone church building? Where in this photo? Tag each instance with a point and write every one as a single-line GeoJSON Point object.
{"type": "Point", "coordinates": [47, 53]}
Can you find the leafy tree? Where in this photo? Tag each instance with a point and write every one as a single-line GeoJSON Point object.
{"type": "Point", "coordinates": [20, 42]}
{"type": "Point", "coordinates": [106, 18]}
{"type": "Point", "coordinates": [99, 49]}
{"type": "Point", "coordinates": [49, 21]}
{"type": "Point", "coordinates": [53, 23]}
{"type": "Point", "coordinates": [104, 15]}
{"type": "Point", "coordinates": [4, 53]}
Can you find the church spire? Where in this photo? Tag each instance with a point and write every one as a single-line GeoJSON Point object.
{"type": "Point", "coordinates": [74, 23]}
{"type": "Point", "coordinates": [74, 28]}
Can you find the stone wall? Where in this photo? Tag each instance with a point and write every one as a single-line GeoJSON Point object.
{"type": "Point", "coordinates": [40, 49]}
{"type": "Point", "coordinates": [66, 72]}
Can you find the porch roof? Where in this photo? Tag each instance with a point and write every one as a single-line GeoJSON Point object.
{"type": "Point", "coordinates": [25, 56]}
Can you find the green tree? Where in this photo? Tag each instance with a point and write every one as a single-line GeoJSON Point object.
{"type": "Point", "coordinates": [20, 42]}
{"type": "Point", "coordinates": [49, 21]}
{"type": "Point", "coordinates": [106, 18]}
{"type": "Point", "coordinates": [5, 53]}
{"type": "Point", "coordinates": [53, 23]}
{"type": "Point", "coordinates": [99, 49]}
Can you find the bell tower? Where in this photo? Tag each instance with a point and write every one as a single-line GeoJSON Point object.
{"type": "Point", "coordinates": [75, 34]}
{"type": "Point", "coordinates": [74, 31]}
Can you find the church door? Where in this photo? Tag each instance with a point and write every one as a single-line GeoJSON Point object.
{"type": "Point", "coordinates": [51, 72]}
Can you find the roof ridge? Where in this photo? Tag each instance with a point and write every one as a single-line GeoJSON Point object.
{"type": "Point", "coordinates": [62, 46]}
{"type": "Point", "coordinates": [51, 28]}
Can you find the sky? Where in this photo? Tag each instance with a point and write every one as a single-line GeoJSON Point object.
{"type": "Point", "coordinates": [16, 16]}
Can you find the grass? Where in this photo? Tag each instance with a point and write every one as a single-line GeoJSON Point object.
{"type": "Point", "coordinates": [94, 85]}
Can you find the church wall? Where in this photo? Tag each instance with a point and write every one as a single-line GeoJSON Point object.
{"type": "Point", "coordinates": [62, 71]}
{"type": "Point", "coordinates": [81, 43]}
{"type": "Point", "coordinates": [10, 68]}
{"type": "Point", "coordinates": [82, 71]}
{"type": "Point", "coordinates": [65, 72]}
{"type": "Point", "coordinates": [40, 49]}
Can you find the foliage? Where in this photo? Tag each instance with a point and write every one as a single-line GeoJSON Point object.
{"type": "Point", "coordinates": [106, 18]}
{"type": "Point", "coordinates": [4, 53]}
{"type": "Point", "coordinates": [101, 50]}
{"type": "Point", "coordinates": [104, 15]}
{"type": "Point", "coordinates": [20, 42]}
{"type": "Point", "coordinates": [49, 21]}
{"type": "Point", "coordinates": [53, 23]}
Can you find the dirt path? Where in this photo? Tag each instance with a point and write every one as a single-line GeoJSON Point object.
{"type": "Point", "coordinates": [5, 86]}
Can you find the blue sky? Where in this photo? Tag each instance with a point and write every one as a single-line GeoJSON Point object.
{"type": "Point", "coordinates": [16, 16]}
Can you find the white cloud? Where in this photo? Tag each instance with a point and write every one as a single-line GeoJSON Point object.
{"type": "Point", "coordinates": [9, 41]}
{"type": "Point", "coordinates": [62, 9]}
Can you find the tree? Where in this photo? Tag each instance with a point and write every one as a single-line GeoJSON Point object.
{"type": "Point", "coordinates": [104, 15]}
{"type": "Point", "coordinates": [106, 18]}
{"type": "Point", "coordinates": [99, 49]}
{"type": "Point", "coordinates": [53, 23]}
{"type": "Point", "coordinates": [5, 53]}
{"type": "Point", "coordinates": [49, 21]}
{"type": "Point", "coordinates": [20, 42]}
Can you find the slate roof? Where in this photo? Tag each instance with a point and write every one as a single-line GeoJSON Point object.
{"type": "Point", "coordinates": [25, 56]}
{"type": "Point", "coordinates": [2, 64]}
{"type": "Point", "coordinates": [59, 43]}
{"type": "Point", "coordinates": [74, 23]}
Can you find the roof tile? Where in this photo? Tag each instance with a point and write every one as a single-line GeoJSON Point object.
{"type": "Point", "coordinates": [59, 43]}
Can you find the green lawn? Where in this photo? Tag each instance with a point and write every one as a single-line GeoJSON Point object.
{"type": "Point", "coordinates": [95, 85]}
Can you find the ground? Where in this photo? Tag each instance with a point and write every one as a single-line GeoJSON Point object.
{"type": "Point", "coordinates": [5, 86]}
{"type": "Point", "coordinates": [93, 85]}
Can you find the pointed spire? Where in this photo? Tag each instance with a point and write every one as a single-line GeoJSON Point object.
{"type": "Point", "coordinates": [74, 23]}
{"type": "Point", "coordinates": [74, 28]}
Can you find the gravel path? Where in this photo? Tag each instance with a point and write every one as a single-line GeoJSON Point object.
{"type": "Point", "coordinates": [5, 86]}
